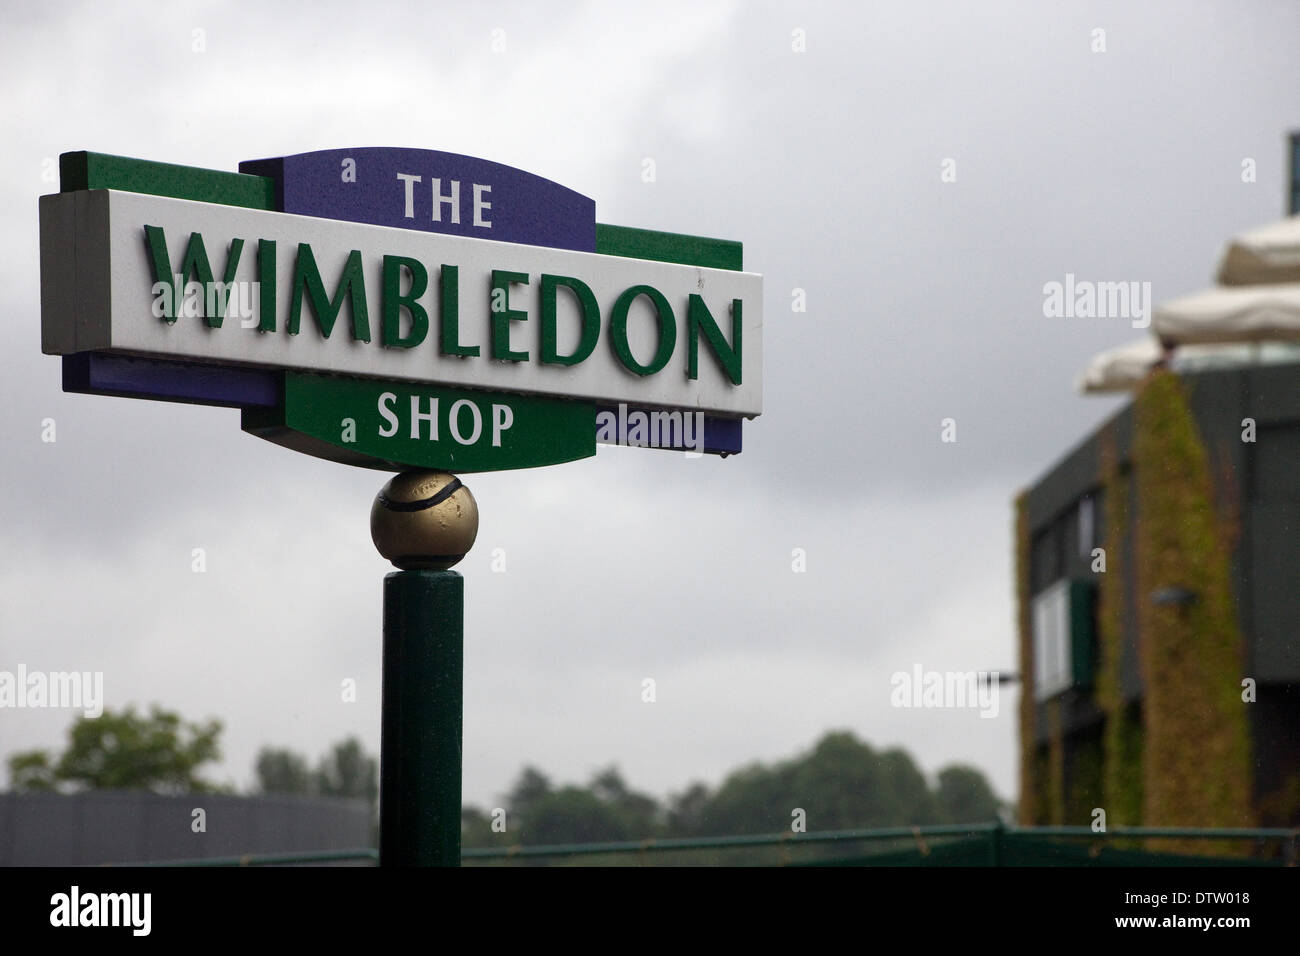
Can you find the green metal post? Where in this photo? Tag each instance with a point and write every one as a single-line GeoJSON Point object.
{"type": "Point", "coordinates": [420, 743]}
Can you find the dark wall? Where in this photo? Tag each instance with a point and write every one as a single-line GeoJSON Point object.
{"type": "Point", "coordinates": [49, 829]}
{"type": "Point", "coordinates": [1274, 553]}
{"type": "Point", "coordinates": [1260, 482]}
{"type": "Point", "coordinates": [1276, 714]}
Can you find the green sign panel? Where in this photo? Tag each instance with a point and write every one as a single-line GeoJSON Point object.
{"type": "Point", "coordinates": [402, 425]}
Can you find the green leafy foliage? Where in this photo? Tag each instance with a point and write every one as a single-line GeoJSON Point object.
{"type": "Point", "coordinates": [1121, 756]}
{"type": "Point", "coordinates": [282, 771]}
{"type": "Point", "coordinates": [123, 750]}
{"type": "Point", "coordinates": [346, 770]}
{"type": "Point", "coordinates": [964, 796]}
{"type": "Point", "coordinates": [1191, 655]}
{"type": "Point", "coordinates": [32, 770]}
{"type": "Point", "coordinates": [1033, 782]}
{"type": "Point", "coordinates": [841, 783]}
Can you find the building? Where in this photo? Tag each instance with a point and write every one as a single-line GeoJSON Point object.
{"type": "Point", "coordinates": [1159, 611]}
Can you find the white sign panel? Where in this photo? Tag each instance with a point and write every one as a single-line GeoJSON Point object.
{"type": "Point", "coordinates": [321, 295]}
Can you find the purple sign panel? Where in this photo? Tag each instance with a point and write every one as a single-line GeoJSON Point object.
{"type": "Point", "coordinates": [95, 373]}
{"type": "Point", "coordinates": [433, 191]}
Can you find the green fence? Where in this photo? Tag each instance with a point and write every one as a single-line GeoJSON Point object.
{"type": "Point", "coordinates": [989, 844]}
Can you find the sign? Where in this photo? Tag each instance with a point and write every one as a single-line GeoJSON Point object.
{"type": "Point", "coordinates": [391, 425]}
{"type": "Point", "coordinates": [488, 283]}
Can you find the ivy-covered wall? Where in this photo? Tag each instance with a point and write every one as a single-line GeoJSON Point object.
{"type": "Point", "coordinates": [1121, 756]}
{"type": "Point", "coordinates": [1055, 765]}
{"type": "Point", "coordinates": [1031, 769]}
{"type": "Point", "coordinates": [1195, 739]}
{"type": "Point", "coordinates": [1083, 778]}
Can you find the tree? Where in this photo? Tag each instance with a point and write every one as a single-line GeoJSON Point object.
{"type": "Point", "coordinates": [283, 771]}
{"type": "Point", "coordinates": [686, 811]}
{"type": "Point", "coordinates": [640, 813]}
{"type": "Point", "coordinates": [574, 815]}
{"type": "Point", "coordinates": [607, 809]}
{"type": "Point", "coordinates": [753, 799]}
{"type": "Point", "coordinates": [910, 795]}
{"type": "Point", "coordinates": [531, 787]}
{"type": "Point", "coordinates": [964, 796]}
{"type": "Point", "coordinates": [840, 784]}
{"type": "Point", "coordinates": [347, 771]}
{"type": "Point", "coordinates": [31, 771]}
{"type": "Point", "coordinates": [124, 751]}
{"type": "Point", "coordinates": [843, 783]}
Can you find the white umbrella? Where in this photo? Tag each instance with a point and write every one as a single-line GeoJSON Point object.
{"type": "Point", "coordinates": [1265, 256]}
{"type": "Point", "coordinates": [1251, 313]}
{"type": "Point", "coordinates": [1119, 369]}
{"type": "Point", "coordinates": [1122, 368]}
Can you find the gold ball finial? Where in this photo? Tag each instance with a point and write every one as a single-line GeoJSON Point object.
{"type": "Point", "coordinates": [424, 520]}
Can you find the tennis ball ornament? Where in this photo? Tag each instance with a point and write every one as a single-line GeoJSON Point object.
{"type": "Point", "coordinates": [424, 520]}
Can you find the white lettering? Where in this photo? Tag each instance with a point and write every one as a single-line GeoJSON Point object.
{"type": "Point", "coordinates": [453, 200]}
{"type": "Point", "coordinates": [503, 416]}
{"type": "Point", "coordinates": [386, 402]}
{"type": "Point", "coordinates": [417, 416]}
{"type": "Point", "coordinates": [410, 179]}
{"type": "Point", "coordinates": [453, 419]}
{"type": "Point", "coordinates": [480, 205]}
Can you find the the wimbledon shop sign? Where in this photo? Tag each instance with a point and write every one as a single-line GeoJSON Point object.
{"type": "Point", "coordinates": [397, 308]}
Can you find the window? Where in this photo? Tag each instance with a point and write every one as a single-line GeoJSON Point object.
{"type": "Point", "coordinates": [1052, 661]}
{"type": "Point", "coordinates": [1087, 527]}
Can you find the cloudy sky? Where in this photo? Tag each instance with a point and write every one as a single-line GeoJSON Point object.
{"type": "Point", "coordinates": [924, 302]}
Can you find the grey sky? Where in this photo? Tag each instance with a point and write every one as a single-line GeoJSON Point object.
{"type": "Point", "coordinates": [924, 302]}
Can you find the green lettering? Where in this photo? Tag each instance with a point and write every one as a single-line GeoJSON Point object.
{"type": "Point", "coordinates": [266, 272]}
{"type": "Point", "coordinates": [351, 286]}
{"type": "Point", "coordinates": [449, 316]}
{"type": "Point", "coordinates": [195, 262]}
{"type": "Point", "coordinates": [700, 319]}
{"type": "Point", "coordinates": [667, 329]}
{"type": "Point", "coordinates": [590, 320]}
{"type": "Point", "coordinates": [394, 302]}
{"type": "Point", "coordinates": [503, 315]}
